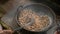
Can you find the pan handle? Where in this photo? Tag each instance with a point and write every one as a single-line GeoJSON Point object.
{"type": "Point", "coordinates": [58, 21]}
{"type": "Point", "coordinates": [58, 17]}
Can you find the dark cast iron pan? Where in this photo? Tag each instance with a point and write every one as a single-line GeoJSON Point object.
{"type": "Point", "coordinates": [40, 9]}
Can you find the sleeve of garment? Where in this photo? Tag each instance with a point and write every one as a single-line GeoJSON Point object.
{"type": "Point", "coordinates": [0, 27]}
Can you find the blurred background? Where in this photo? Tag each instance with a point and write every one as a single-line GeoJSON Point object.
{"type": "Point", "coordinates": [54, 4]}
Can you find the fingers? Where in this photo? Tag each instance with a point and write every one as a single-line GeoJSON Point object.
{"type": "Point", "coordinates": [1, 31]}
{"type": "Point", "coordinates": [6, 31]}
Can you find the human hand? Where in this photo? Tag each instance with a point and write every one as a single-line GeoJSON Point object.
{"type": "Point", "coordinates": [6, 32]}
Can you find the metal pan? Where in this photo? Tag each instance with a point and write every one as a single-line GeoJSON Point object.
{"type": "Point", "coordinates": [41, 9]}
